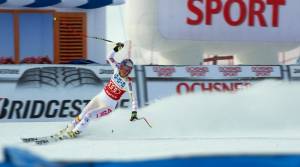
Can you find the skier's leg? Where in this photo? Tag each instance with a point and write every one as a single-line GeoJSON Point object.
{"type": "Point", "coordinates": [95, 103]}
{"type": "Point", "coordinates": [94, 114]}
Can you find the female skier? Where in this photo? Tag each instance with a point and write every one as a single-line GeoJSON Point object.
{"type": "Point", "coordinates": [105, 102]}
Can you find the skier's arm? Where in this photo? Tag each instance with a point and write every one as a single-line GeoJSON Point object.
{"type": "Point", "coordinates": [111, 58]}
{"type": "Point", "coordinates": [133, 102]}
{"type": "Point", "coordinates": [132, 97]}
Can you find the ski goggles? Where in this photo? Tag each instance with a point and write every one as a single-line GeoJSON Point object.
{"type": "Point", "coordinates": [125, 67]}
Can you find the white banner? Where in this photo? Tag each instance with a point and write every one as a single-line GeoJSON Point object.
{"type": "Point", "coordinates": [230, 20]}
{"type": "Point", "coordinates": [294, 72]}
{"type": "Point", "coordinates": [50, 92]}
{"type": "Point", "coordinates": [213, 72]}
{"type": "Point", "coordinates": [14, 72]}
{"type": "Point", "coordinates": [59, 92]}
{"type": "Point", "coordinates": [161, 89]}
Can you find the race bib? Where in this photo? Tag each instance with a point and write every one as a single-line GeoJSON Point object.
{"type": "Point", "coordinates": [113, 90]}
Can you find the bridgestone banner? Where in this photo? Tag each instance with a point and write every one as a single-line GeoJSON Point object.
{"type": "Point", "coordinates": [50, 92]}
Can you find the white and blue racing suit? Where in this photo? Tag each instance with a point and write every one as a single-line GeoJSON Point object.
{"type": "Point", "coordinates": [105, 102]}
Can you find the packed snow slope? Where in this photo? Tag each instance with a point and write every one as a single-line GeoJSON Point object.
{"type": "Point", "coordinates": [264, 118]}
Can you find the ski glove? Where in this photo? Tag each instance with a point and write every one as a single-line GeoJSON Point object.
{"type": "Point", "coordinates": [118, 46]}
{"type": "Point", "coordinates": [133, 116]}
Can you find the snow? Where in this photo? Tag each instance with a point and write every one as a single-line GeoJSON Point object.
{"type": "Point", "coordinates": [263, 119]}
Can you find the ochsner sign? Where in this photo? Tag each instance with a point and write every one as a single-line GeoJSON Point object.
{"type": "Point", "coordinates": [239, 20]}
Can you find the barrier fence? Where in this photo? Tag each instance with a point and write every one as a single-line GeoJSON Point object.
{"type": "Point", "coordinates": [59, 92]}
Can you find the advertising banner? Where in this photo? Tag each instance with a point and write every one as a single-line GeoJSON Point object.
{"type": "Point", "coordinates": [213, 72]}
{"type": "Point", "coordinates": [230, 20]}
{"type": "Point", "coordinates": [160, 89]}
{"type": "Point", "coordinates": [59, 92]}
{"type": "Point", "coordinates": [50, 92]}
{"type": "Point", "coordinates": [163, 81]}
{"type": "Point", "coordinates": [294, 72]}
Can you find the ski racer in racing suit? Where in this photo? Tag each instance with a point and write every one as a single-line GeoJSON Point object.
{"type": "Point", "coordinates": [105, 102]}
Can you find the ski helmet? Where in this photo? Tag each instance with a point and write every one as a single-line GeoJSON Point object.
{"type": "Point", "coordinates": [126, 65]}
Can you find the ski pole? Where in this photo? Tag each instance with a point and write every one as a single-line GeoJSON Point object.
{"type": "Point", "coordinates": [143, 118]}
{"type": "Point", "coordinates": [78, 33]}
{"type": "Point", "coordinates": [98, 38]}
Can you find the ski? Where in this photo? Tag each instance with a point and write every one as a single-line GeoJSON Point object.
{"type": "Point", "coordinates": [29, 139]}
{"type": "Point", "coordinates": [46, 139]}
{"type": "Point", "coordinates": [40, 140]}
{"type": "Point", "coordinates": [33, 139]}
{"type": "Point", "coordinates": [50, 139]}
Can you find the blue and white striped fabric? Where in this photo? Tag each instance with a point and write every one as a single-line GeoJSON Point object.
{"type": "Point", "coordinates": [84, 4]}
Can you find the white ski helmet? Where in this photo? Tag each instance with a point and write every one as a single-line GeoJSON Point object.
{"type": "Point", "coordinates": [127, 65]}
